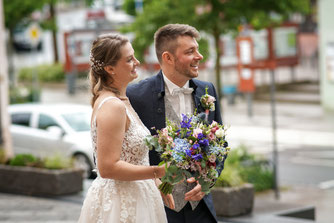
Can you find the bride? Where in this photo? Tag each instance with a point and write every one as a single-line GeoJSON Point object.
{"type": "Point", "coordinates": [125, 189]}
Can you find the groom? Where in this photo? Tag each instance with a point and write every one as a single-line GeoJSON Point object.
{"type": "Point", "coordinates": [170, 93]}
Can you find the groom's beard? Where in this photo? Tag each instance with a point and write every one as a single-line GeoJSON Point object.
{"type": "Point", "coordinates": [185, 70]}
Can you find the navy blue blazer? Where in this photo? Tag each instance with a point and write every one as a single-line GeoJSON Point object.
{"type": "Point", "coordinates": [147, 98]}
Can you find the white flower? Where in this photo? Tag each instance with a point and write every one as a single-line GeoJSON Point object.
{"type": "Point", "coordinates": [196, 132]}
{"type": "Point", "coordinates": [219, 133]}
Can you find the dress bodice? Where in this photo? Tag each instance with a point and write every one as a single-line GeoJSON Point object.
{"type": "Point", "coordinates": [134, 149]}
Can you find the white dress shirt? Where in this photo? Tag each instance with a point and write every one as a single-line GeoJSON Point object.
{"type": "Point", "coordinates": [182, 102]}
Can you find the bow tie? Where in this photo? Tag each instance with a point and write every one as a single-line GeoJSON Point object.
{"type": "Point", "coordinates": [177, 91]}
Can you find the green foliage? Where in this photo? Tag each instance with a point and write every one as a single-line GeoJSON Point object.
{"type": "Point", "coordinates": [241, 167]}
{"type": "Point", "coordinates": [22, 94]}
{"type": "Point", "coordinates": [215, 17]}
{"type": "Point", "coordinates": [230, 177]}
{"type": "Point", "coordinates": [17, 10]}
{"type": "Point", "coordinates": [44, 73]}
{"type": "Point", "coordinates": [2, 156]}
{"type": "Point", "coordinates": [57, 162]}
{"type": "Point", "coordinates": [52, 162]}
{"type": "Point", "coordinates": [23, 160]}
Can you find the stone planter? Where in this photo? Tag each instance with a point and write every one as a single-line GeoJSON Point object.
{"type": "Point", "coordinates": [37, 181]}
{"type": "Point", "coordinates": [233, 201]}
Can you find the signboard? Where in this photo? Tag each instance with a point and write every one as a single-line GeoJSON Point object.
{"type": "Point", "coordinates": [330, 61]}
{"type": "Point", "coordinates": [34, 33]}
{"type": "Point", "coordinates": [260, 42]}
{"type": "Point", "coordinates": [285, 41]}
{"type": "Point", "coordinates": [77, 48]}
{"type": "Point", "coordinates": [245, 53]}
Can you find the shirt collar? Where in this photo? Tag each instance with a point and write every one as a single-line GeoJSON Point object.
{"type": "Point", "coordinates": [171, 86]}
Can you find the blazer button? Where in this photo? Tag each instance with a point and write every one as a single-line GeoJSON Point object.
{"type": "Point", "coordinates": [159, 110]}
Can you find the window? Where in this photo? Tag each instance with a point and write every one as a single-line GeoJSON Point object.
{"type": "Point", "coordinates": [45, 121]}
{"type": "Point", "coordinates": [21, 119]}
{"type": "Point", "coordinates": [78, 121]}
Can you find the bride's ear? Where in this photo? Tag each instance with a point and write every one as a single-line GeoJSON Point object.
{"type": "Point", "coordinates": [109, 69]}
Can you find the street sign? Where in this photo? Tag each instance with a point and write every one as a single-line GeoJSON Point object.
{"type": "Point", "coordinates": [34, 32]}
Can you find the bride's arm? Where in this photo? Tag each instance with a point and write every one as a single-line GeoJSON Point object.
{"type": "Point", "coordinates": [111, 122]}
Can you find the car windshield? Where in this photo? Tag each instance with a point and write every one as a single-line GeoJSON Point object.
{"type": "Point", "coordinates": [78, 121]}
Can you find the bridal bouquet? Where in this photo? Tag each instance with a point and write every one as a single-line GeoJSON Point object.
{"type": "Point", "coordinates": [191, 148]}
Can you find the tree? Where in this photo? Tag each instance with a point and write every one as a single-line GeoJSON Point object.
{"type": "Point", "coordinates": [5, 137]}
{"type": "Point", "coordinates": [16, 11]}
{"type": "Point", "coordinates": [215, 17]}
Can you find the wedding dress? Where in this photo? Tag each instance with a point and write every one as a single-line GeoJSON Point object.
{"type": "Point", "coordinates": [108, 200]}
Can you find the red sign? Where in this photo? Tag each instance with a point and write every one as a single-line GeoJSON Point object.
{"type": "Point", "coordinates": [245, 54]}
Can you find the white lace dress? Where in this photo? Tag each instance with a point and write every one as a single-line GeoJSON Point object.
{"type": "Point", "coordinates": [109, 200]}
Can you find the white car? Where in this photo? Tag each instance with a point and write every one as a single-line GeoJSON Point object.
{"type": "Point", "coordinates": [55, 129]}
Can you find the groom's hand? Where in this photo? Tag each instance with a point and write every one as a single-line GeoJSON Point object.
{"type": "Point", "coordinates": [196, 193]}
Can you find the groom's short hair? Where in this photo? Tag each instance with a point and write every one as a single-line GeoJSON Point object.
{"type": "Point", "coordinates": [165, 38]}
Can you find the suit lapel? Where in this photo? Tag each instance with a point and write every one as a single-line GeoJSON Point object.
{"type": "Point", "coordinates": [196, 95]}
{"type": "Point", "coordinates": [158, 102]}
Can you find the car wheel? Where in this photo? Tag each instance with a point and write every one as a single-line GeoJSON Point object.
{"type": "Point", "coordinates": [81, 161]}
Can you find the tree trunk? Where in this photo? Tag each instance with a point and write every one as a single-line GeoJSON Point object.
{"type": "Point", "coordinates": [4, 116]}
{"type": "Point", "coordinates": [54, 32]}
{"type": "Point", "coordinates": [219, 89]}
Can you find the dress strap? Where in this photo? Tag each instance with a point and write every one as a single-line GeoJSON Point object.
{"type": "Point", "coordinates": [100, 105]}
{"type": "Point", "coordinates": [106, 99]}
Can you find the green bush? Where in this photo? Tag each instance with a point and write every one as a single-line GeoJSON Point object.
{"type": "Point", "coordinates": [45, 73]}
{"type": "Point", "coordinates": [2, 156]}
{"type": "Point", "coordinates": [22, 94]}
{"type": "Point", "coordinates": [241, 166]}
{"type": "Point", "coordinates": [57, 162]}
{"type": "Point", "coordinates": [23, 160]}
{"type": "Point", "coordinates": [230, 177]}
{"type": "Point", "coordinates": [52, 162]}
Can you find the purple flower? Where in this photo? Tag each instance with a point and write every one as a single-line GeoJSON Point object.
{"type": "Point", "coordinates": [200, 136]}
{"type": "Point", "coordinates": [185, 122]}
{"type": "Point", "coordinates": [197, 156]}
{"type": "Point", "coordinates": [195, 146]}
{"type": "Point", "coordinates": [188, 152]}
{"type": "Point", "coordinates": [204, 142]}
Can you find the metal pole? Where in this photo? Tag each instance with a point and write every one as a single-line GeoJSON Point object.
{"type": "Point", "coordinates": [35, 81]}
{"type": "Point", "coordinates": [249, 96]}
{"type": "Point", "coordinates": [273, 117]}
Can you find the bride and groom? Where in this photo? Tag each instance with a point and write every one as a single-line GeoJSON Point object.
{"type": "Point", "coordinates": [125, 189]}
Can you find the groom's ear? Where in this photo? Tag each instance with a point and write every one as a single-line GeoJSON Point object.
{"type": "Point", "coordinates": [167, 57]}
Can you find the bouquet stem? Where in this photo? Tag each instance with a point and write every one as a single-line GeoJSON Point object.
{"type": "Point", "coordinates": [166, 188]}
{"type": "Point", "coordinates": [207, 115]}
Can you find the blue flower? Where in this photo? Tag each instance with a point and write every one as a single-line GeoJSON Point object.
{"type": "Point", "coordinates": [180, 149]}
{"type": "Point", "coordinates": [200, 136]}
{"type": "Point", "coordinates": [185, 122]}
{"type": "Point", "coordinates": [204, 142]}
{"type": "Point", "coordinates": [214, 150]}
{"type": "Point", "coordinates": [197, 156]}
{"type": "Point", "coordinates": [188, 152]}
{"type": "Point", "coordinates": [196, 146]}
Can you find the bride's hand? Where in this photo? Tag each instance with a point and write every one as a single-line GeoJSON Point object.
{"type": "Point", "coordinates": [168, 199]}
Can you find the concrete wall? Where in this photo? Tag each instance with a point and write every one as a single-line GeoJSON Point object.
{"type": "Point", "coordinates": [326, 52]}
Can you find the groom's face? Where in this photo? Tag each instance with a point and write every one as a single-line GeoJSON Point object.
{"type": "Point", "coordinates": [187, 57]}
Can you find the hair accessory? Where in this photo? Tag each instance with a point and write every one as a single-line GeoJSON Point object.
{"type": "Point", "coordinates": [95, 64]}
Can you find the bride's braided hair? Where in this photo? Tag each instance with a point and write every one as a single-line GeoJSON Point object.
{"type": "Point", "coordinates": [106, 50]}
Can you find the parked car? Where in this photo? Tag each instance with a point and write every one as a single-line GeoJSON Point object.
{"type": "Point", "coordinates": [57, 129]}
